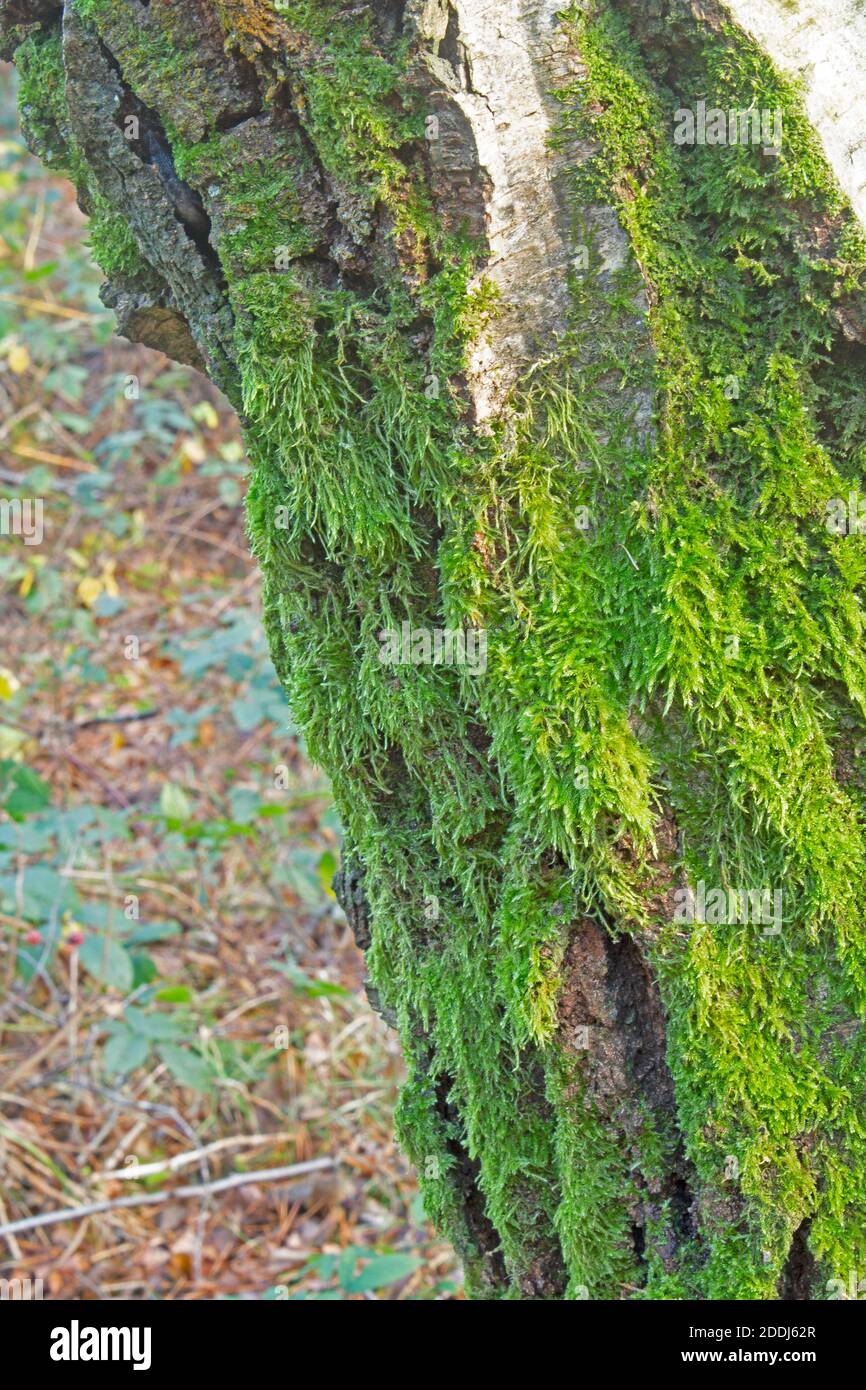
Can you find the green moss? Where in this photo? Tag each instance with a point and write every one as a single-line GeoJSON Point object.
{"type": "Point", "coordinates": [263, 224]}
{"type": "Point", "coordinates": [160, 58]}
{"type": "Point", "coordinates": [42, 104]}
{"type": "Point", "coordinates": [41, 98]}
{"type": "Point", "coordinates": [745, 605]}
{"type": "Point", "coordinates": [112, 242]}
{"type": "Point", "coordinates": [610, 688]}
{"type": "Point", "coordinates": [360, 114]}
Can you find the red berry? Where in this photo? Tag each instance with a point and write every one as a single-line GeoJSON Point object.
{"type": "Point", "coordinates": [75, 938]}
{"type": "Point", "coordinates": [33, 938]}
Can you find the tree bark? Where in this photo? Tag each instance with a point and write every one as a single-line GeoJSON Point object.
{"type": "Point", "coordinates": [545, 325]}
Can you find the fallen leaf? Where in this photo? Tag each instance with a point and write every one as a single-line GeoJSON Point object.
{"type": "Point", "coordinates": [8, 684]}
{"type": "Point", "coordinates": [89, 590]}
{"type": "Point", "coordinates": [18, 359]}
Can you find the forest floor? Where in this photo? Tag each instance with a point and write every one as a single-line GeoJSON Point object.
{"type": "Point", "coordinates": [177, 983]}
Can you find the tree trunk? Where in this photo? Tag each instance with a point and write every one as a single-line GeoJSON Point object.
{"type": "Point", "coordinates": [545, 326]}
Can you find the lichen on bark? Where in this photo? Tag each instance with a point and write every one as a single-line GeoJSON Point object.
{"type": "Point", "coordinates": [510, 359]}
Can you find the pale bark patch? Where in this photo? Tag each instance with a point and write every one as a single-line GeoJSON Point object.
{"type": "Point", "coordinates": [500, 66]}
{"type": "Point", "coordinates": [822, 42]}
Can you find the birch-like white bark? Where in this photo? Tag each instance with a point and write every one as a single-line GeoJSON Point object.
{"type": "Point", "coordinates": [500, 65]}
{"type": "Point", "coordinates": [822, 43]}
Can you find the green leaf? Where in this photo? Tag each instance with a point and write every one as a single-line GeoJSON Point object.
{"type": "Point", "coordinates": [382, 1270]}
{"type": "Point", "coordinates": [187, 1067]}
{"type": "Point", "coordinates": [145, 970]}
{"type": "Point", "coordinates": [156, 1026]}
{"type": "Point", "coordinates": [45, 889]}
{"type": "Point", "coordinates": [174, 803]}
{"type": "Point", "coordinates": [28, 790]}
{"type": "Point", "coordinates": [174, 994]}
{"type": "Point", "coordinates": [152, 931]}
{"type": "Point", "coordinates": [325, 1266]}
{"type": "Point", "coordinates": [305, 984]}
{"type": "Point", "coordinates": [107, 961]}
{"type": "Point", "coordinates": [302, 876]}
{"type": "Point", "coordinates": [348, 1260]}
{"type": "Point", "coordinates": [107, 605]}
{"type": "Point", "coordinates": [263, 700]}
{"type": "Point", "coordinates": [327, 869]}
{"type": "Point", "coordinates": [124, 1052]}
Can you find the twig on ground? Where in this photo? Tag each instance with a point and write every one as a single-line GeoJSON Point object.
{"type": "Point", "coordinates": [116, 719]}
{"type": "Point", "coordinates": [150, 1199]}
{"type": "Point", "coordinates": [183, 1160]}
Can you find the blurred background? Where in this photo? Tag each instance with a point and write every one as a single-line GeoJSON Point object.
{"type": "Point", "coordinates": [181, 999]}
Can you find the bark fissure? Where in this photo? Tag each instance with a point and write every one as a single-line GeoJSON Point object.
{"type": "Point", "coordinates": [800, 1275]}
{"type": "Point", "coordinates": [613, 1022]}
{"type": "Point", "coordinates": [152, 147]}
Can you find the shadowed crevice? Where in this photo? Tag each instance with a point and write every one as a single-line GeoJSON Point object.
{"type": "Point", "coordinates": [801, 1268]}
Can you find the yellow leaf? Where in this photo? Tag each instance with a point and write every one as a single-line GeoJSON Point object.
{"type": "Point", "coordinates": [18, 359]}
{"type": "Point", "coordinates": [89, 589]}
{"type": "Point", "coordinates": [27, 582]}
{"type": "Point", "coordinates": [193, 451]}
{"type": "Point", "coordinates": [12, 741]}
{"type": "Point", "coordinates": [8, 684]}
{"type": "Point", "coordinates": [204, 414]}
{"type": "Point", "coordinates": [108, 580]}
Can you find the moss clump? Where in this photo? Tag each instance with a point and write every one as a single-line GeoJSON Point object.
{"type": "Point", "coordinates": [261, 220]}
{"type": "Point", "coordinates": [41, 99]}
{"type": "Point", "coordinates": [113, 243]}
{"type": "Point", "coordinates": [161, 59]}
{"type": "Point", "coordinates": [744, 605]}
{"type": "Point", "coordinates": [250, 26]}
